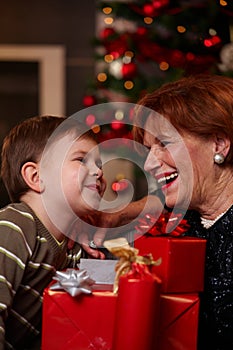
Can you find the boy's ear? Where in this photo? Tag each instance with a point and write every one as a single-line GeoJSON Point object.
{"type": "Point", "coordinates": [30, 174]}
{"type": "Point", "coordinates": [222, 144]}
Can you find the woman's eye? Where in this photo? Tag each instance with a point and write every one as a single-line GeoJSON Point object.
{"type": "Point", "coordinates": [99, 164]}
{"type": "Point", "coordinates": [81, 160]}
{"type": "Point", "coordinates": [165, 143]}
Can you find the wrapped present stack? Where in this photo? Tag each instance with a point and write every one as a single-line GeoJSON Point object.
{"type": "Point", "coordinates": [181, 271]}
{"type": "Point", "coordinates": [152, 305]}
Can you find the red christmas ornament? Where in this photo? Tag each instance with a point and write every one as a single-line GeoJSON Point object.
{"type": "Point", "coordinates": [129, 70]}
{"type": "Point", "coordinates": [148, 10]}
{"type": "Point", "coordinates": [89, 100]}
{"type": "Point", "coordinates": [176, 58]}
{"type": "Point", "coordinates": [90, 119]}
{"type": "Point", "coordinates": [158, 4]}
{"type": "Point", "coordinates": [119, 45]}
{"type": "Point", "coordinates": [116, 125]}
{"type": "Point", "coordinates": [214, 40]}
{"type": "Point", "coordinates": [120, 186]}
{"type": "Point", "coordinates": [152, 9]}
{"type": "Point", "coordinates": [142, 31]}
{"type": "Point", "coordinates": [190, 56]}
{"type": "Point", "coordinates": [106, 32]}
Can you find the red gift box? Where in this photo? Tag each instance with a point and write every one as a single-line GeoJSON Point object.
{"type": "Point", "coordinates": [182, 261]}
{"type": "Point", "coordinates": [85, 322]}
{"type": "Point", "coordinates": [137, 310]}
{"type": "Point", "coordinates": [178, 326]}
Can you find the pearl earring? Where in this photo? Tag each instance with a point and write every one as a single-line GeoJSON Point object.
{"type": "Point", "coordinates": [219, 158]}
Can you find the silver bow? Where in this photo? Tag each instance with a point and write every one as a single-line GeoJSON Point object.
{"type": "Point", "coordinates": [73, 281]}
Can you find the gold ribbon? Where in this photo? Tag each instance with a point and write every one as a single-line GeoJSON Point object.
{"type": "Point", "coordinates": [127, 255]}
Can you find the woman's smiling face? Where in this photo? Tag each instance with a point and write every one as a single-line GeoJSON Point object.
{"type": "Point", "coordinates": [182, 166]}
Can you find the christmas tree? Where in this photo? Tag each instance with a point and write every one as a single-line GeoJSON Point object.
{"type": "Point", "coordinates": [142, 44]}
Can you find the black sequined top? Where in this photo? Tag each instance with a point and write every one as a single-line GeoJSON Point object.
{"type": "Point", "coordinates": [216, 311]}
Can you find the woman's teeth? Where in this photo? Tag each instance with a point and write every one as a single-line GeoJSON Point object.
{"type": "Point", "coordinates": [168, 178]}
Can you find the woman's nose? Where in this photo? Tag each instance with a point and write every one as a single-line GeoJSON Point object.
{"type": "Point", "coordinates": [152, 161]}
{"type": "Point", "coordinates": [98, 172]}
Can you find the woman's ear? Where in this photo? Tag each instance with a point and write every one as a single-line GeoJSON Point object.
{"type": "Point", "coordinates": [30, 174]}
{"type": "Point", "coordinates": [222, 145]}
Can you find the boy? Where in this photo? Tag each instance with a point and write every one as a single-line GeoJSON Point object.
{"type": "Point", "coordinates": [52, 171]}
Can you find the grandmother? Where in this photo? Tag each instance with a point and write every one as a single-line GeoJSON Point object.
{"type": "Point", "coordinates": [189, 143]}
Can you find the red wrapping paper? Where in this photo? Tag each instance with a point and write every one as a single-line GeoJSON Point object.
{"type": "Point", "coordinates": [85, 322]}
{"type": "Point", "coordinates": [178, 325]}
{"type": "Point", "coordinates": [182, 261]}
{"type": "Point", "coordinates": [137, 310]}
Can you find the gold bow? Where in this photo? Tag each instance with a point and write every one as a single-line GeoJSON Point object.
{"type": "Point", "coordinates": [127, 255]}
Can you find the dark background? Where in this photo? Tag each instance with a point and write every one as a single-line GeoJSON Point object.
{"type": "Point", "coordinates": [53, 22]}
